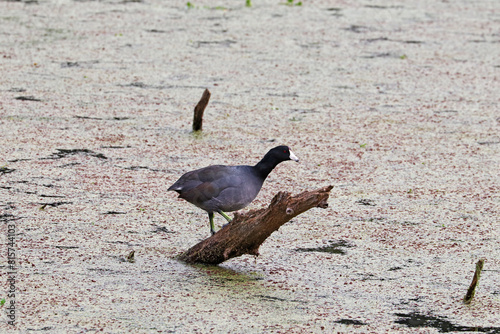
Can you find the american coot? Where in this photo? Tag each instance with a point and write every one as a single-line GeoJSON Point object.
{"type": "Point", "coordinates": [221, 188]}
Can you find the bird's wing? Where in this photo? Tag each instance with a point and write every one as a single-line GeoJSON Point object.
{"type": "Point", "coordinates": [211, 194]}
{"type": "Point", "coordinates": [197, 177]}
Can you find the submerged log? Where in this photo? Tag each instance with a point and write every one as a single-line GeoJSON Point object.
{"type": "Point", "coordinates": [199, 110]}
{"type": "Point", "coordinates": [247, 231]}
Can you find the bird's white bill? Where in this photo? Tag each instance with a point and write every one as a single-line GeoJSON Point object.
{"type": "Point", "coordinates": [293, 156]}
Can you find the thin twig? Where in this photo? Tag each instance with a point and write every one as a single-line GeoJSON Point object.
{"type": "Point", "coordinates": [475, 281]}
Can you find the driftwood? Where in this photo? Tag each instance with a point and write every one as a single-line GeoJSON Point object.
{"type": "Point", "coordinates": [247, 231]}
{"type": "Point", "coordinates": [199, 110]}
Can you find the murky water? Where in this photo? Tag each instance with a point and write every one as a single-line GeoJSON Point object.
{"type": "Point", "coordinates": [392, 103]}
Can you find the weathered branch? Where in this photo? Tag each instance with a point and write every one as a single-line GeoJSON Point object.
{"type": "Point", "coordinates": [247, 231]}
{"type": "Point", "coordinates": [199, 110]}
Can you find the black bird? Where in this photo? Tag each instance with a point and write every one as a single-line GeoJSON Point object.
{"type": "Point", "coordinates": [220, 188]}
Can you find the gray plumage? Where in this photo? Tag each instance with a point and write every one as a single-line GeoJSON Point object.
{"type": "Point", "coordinates": [220, 188]}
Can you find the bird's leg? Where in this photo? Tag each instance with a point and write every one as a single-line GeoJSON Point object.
{"type": "Point", "coordinates": [223, 214]}
{"type": "Point", "coordinates": [211, 218]}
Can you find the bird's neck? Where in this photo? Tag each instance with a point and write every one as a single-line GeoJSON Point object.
{"type": "Point", "coordinates": [265, 166]}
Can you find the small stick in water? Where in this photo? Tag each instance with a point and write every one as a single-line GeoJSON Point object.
{"type": "Point", "coordinates": [199, 109]}
{"type": "Point", "coordinates": [130, 257]}
{"type": "Point", "coordinates": [475, 281]}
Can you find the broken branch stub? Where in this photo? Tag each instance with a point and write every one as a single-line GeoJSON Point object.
{"type": "Point", "coordinates": [475, 281]}
{"type": "Point", "coordinates": [199, 110]}
{"type": "Point", "coordinates": [247, 231]}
